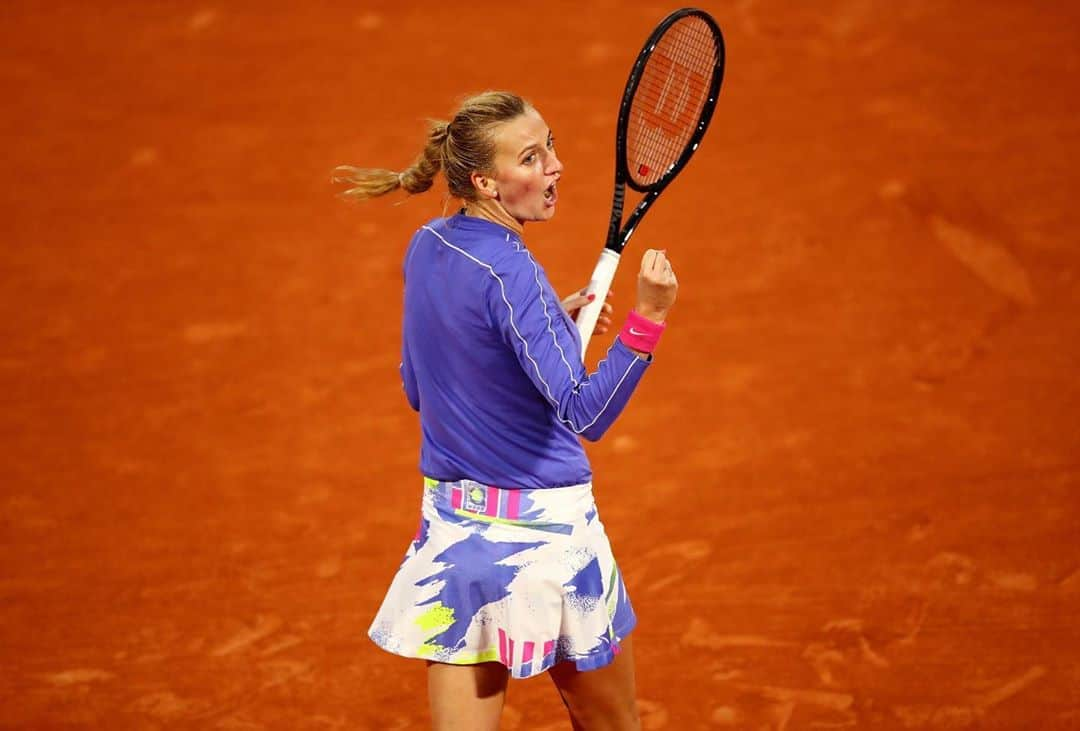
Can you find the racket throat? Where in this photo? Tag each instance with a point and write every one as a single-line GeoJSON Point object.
{"type": "Point", "coordinates": [618, 199]}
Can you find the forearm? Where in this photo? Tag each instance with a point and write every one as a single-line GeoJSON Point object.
{"type": "Point", "coordinates": [591, 407]}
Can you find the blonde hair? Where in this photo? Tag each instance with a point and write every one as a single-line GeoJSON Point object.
{"type": "Point", "coordinates": [464, 145]}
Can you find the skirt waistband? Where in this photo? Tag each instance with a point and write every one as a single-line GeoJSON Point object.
{"type": "Point", "coordinates": [554, 508]}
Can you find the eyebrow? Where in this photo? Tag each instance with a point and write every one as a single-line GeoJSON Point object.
{"type": "Point", "coordinates": [533, 145]}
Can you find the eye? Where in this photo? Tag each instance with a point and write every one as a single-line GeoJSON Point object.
{"type": "Point", "coordinates": [528, 159]}
{"type": "Point", "coordinates": [551, 143]}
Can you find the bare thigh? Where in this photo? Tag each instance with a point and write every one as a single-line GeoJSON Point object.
{"type": "Point", "coordinates": [466, 697]}
{"type": "Point", "coordinates": [602, 699]}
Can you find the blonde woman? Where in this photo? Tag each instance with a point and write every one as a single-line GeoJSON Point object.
{"type": "Point", "coordinates": [511, 573]}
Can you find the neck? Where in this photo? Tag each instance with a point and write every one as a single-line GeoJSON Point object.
{"type": "Point", "coordinates": [494, 212]}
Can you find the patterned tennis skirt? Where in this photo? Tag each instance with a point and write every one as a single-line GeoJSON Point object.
{"type": "Point", "coordinates": [521, 577]}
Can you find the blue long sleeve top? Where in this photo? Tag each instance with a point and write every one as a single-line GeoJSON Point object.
{"type": "Point", "coordinates": [493, 363]}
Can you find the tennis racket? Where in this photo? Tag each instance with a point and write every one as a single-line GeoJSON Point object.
{"type": "Point", "coordinates": [666, 108]}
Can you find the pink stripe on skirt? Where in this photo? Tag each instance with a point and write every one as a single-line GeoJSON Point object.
{"type": "Point", "coordinates": [513, 504]}
{"type": "Point", "coordinates": [492, 507]}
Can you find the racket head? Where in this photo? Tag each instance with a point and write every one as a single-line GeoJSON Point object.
{"type": "Point", "coordinates": [669, 99]}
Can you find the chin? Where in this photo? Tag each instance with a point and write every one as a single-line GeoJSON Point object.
{"type": "Point", "coordinates": [539, 217]}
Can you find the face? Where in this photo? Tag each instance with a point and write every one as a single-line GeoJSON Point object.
{"type": "Point", "coordinates": [526, 169]}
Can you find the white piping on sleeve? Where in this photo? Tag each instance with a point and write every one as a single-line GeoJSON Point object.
{"type": "Point", "coordinates": [525, 344]}
{"type": "Point", "coordinates": [550, 326]}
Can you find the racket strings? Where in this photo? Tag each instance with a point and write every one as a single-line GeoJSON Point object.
{"type": "Point", "coordinates": [669, 99]}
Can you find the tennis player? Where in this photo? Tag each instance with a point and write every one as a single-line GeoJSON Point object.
{"type": "Point", "coordinates": [510, 573]}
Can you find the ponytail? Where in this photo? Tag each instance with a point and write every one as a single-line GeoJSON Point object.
{"type": "Point", "coordinates": [374, 182]}
{"type": "Point", "coordinates": [457, 152]}
{"type": "Point", "coordinates": [421, 175]}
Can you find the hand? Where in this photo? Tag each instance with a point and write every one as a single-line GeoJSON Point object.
{"type": "Point", "coordinates": [576, 301]}
{"type": "Point", "coordinates": [656, 286]}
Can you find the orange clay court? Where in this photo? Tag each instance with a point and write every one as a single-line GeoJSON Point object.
{"type": "Point", "coordinates": [847, 495]}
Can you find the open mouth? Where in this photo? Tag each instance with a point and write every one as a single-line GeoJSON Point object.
{"type": "Point", "coordinates": [550, 194]}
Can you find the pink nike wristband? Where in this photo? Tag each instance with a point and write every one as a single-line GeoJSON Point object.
{"type": "Point", "coordinates": [640, 333]}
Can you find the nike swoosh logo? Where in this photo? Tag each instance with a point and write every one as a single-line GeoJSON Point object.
{"type": "Point", "coordinates": [638, 333]}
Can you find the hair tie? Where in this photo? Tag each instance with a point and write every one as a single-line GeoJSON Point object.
{"type": "Point", "coordinates": [401, 180]}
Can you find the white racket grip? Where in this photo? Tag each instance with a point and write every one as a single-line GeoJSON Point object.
{"type": "Point", "coordinates": [599, 285]}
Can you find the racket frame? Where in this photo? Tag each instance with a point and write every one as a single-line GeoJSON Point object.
{"type": "Point", "coordinates": [618, 235]}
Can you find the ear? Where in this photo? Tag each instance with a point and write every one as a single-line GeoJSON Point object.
{"type": "Point", "coordinates": [485, 185]}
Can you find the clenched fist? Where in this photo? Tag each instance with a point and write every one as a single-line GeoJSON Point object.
{"type": "Point", "coordinates": [656, 286]}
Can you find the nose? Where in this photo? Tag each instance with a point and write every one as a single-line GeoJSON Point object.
{"type": "Point", "coordinates": [554, 164]}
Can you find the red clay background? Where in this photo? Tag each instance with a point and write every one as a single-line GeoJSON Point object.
{"type": "Point", "coordinates": [846, 496]}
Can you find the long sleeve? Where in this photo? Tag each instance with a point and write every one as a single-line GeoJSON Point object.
{"type": "Point", "coordinates": [408, 381]}
{"type": "Point", "coordinates": [530, 318]}
{"type": "Point", "coordinates": [408, 375]}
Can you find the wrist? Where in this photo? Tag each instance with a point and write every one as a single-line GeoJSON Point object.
{"type": "Point", "coordinates": [651, 313]}
{"type": "Point", "coordinates": [640, 333]}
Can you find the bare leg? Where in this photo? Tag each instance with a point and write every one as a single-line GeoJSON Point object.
{"type": "Point", "coordinates": [603, 699]}
{"type": "Point", "coordinates": [466, 697]}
